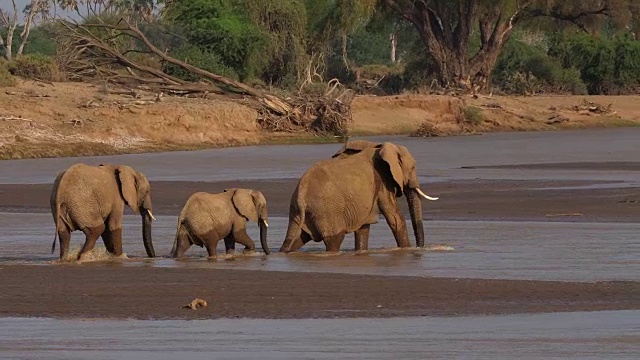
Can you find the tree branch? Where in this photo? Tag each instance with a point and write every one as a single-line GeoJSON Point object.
{"type": "Point", "coordinates": [572, 18]}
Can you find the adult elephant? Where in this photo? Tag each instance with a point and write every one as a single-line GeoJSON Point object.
{"type": "Point", "coordinates": [346, 193]}
{"type": "Point", "coordinates": [92, 199]}
{"type": "Point", "coordinates": [207, 218]}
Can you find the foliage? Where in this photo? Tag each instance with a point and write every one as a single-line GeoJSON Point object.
{"type": "Point", "coordinates": [41, 40]}
{"type": "Point", "coordinates": [472, 115]}
{"type": "Point", "coordinates": [6, 79]}
{"type": "Point", "coordinates": [35, 66]}
{"type": "Point", "coordinates": [262, 39]}
{"type": "Point", "coordinates": [606, 66]}
{"type": "Point", "coordinates": [447, 29]}
{"type": "Point", "coordinates": [204, 59]}
{"type": "Point", "coordinates": [523, 69]}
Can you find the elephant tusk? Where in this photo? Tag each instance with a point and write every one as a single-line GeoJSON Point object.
{"type": "Point", "coordinates": [150, 214]}
{"type": "Point", "coordinates": [265, 223]}
{"type": "Point", "coordinates": [425, 195]}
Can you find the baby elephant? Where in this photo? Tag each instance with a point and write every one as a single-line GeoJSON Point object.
{"type": "Point", "coordinates": [207, 218]}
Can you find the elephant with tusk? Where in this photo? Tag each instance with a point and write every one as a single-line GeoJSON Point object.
{"type": "Point", "coordinates": [207, 218]}
{"type": "Point", "coordinates": [92, 199]}
{"type": "Point", "coordinates": [346, 193]}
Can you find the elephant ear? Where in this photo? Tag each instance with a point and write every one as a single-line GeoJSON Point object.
{"type": "Point", "coordinates": [390, 153]}
{"type": "Point", "coordinates": [128, 186]}
{"type": "Point", "coordinates": [244, 202]}
{"type": "Point", "coordinates": [355, 146]}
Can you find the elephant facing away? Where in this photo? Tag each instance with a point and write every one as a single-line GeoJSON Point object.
{"type": "Point", "coordinates": [92, 199]}
{"type": "Point", "coordinates": [346, 193]}
{"type": "Point", "coordinates": [206, 218]}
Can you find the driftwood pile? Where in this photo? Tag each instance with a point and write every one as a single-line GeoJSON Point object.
{"type": "Point", "coordinates": [326, 113]}
{"type": "Point", "coordinates": [86, 56]}
{"type": "Point", "coordinates": [590, 107]}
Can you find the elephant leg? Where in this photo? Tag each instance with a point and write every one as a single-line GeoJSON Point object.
{"type": "Point", "coordinates": [332, 243]}
{"type": "Point", "coordinates": [229, 244]}
{"type": "Point", "coordinates": [91, 235]}
{"type": "Point", "coordinates": [362, 237]}
{"type": "Point", "coordinates": [243, 238]}
{"type": "Point", "coordinates": [211, 247]}
{"type": "Point", "coordinates": [113, 240]}
{"type": "Point", "coordinates": [391, 212]}
{"type": "Point", "coordinates": [300, 241]}
{"type": "Point", "coordinates": [210, 241]}
{"type": "Point", "coordinates": [65, 239]}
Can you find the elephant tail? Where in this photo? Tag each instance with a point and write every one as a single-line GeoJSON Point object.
{"type": "Point", "coordinates": [182, 234]}
{"type": "Point", "coordinates": [296, 219]}
{"type": "Point", "coordinates": [179, 232]}
{"type": "Point", "coordinates": [53, 246]}
{"type": "Point", "coordinates": [59, 222]}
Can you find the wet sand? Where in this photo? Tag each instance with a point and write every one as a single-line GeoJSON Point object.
{"type": "Point", "coordinates": [103, 291]}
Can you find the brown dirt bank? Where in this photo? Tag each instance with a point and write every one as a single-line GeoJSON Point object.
{"type": "Point", "coordinates": [67, 119]}
{"type": "Point", "coordinates": [99, 291]}
{"type": "Point", "coordinates": [459, 200]}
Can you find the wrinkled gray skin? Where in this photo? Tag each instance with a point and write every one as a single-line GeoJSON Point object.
{"type": "Point", "coordinates": [207, 218]}
{"type": "Point", "coordinates": [92, 199]}
{"type": "Point", "coordinates": [346, 193]}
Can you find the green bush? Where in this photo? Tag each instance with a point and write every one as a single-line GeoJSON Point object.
{"type": "Point", "coordinates": [522, 68]}
{"type": "Point", "coordinates": [41, 40]}
{"type": "Point", "coordinates": [472, 115]}
{"type": "Point", "coordinates": [595, 58]}
{"type": "Point", "coordinates": [627, 62]}
{"type": "Point", "coordinates": [6, 79]}
{"type": "Point", "coordinates": [205, 60]}
{"type": "Point", "coordinates": [257, 39]}
{"type": "Point", "coordinates": [35, 66]}
{"type": "Point", "coordinates": [607, 66]}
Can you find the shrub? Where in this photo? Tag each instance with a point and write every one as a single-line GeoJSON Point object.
{"type": "Point", "coordinates": [35, 66]}
{"type": "Point", "coordinates": [472, 115]}
{"type": "Point", "coordinates": [524, 68]}
{"type": "Point", "coordinates": [6, 79]}
{"type": "Point", "coordinates": [627, 62]}
{"type": "Point", "coordinates": [257, 39]}
{"type": "Point", "coordinates": [595, 58]}
{"type": "Point", "coordinates": [205, 60]}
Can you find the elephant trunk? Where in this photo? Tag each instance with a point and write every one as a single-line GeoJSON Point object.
{"type": "Point", "coordinates": [415, 210]}
{"type": "Point", "coordinates": [263, 236]}
{"type": "Point", "coordinates": [146, 233]}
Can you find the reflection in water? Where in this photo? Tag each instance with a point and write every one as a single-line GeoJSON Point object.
{"type": "Point", "coordinates": [598, 335]}
{"type": "Point", "coordinates": [508, 250]}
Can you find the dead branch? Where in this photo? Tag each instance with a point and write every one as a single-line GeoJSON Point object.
{"type": "Point", "coordinates": [8, 118]}
{"type": "Point", "coordinates": [87, 56]}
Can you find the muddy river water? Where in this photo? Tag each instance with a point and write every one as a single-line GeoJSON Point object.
{"type": "Point", "coordinates": [560, 250]}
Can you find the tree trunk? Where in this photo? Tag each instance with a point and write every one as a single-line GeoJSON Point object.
{"type": "Point", "coordinates": [35, 6]}
{"type": "Point", "coordinates": [8, 48]}
{"type": "Point", "coordinates": [447, 41]}
{"type": "Point", "coordinates": [394, 47]}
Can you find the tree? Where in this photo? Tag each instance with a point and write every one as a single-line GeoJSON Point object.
{"type": "Point", "coordinates": [446, 29]}
{"type": "Point", "coordinates": [10, 23]}
{"type": "Point", "coordinates": [132, 10]}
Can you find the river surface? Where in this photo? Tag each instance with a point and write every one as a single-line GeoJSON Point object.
{"type": "Point", "coordinates": [593, 335]}
{"type": "Point", "coordinates": [566, 251]}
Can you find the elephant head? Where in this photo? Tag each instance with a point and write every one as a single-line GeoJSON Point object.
{"type": "Point", "coordinates": [252, 205]}
{"type": "Point", "coordinates": [136, 193]}
{"type": "Point", "coordinates": [395, 164]}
